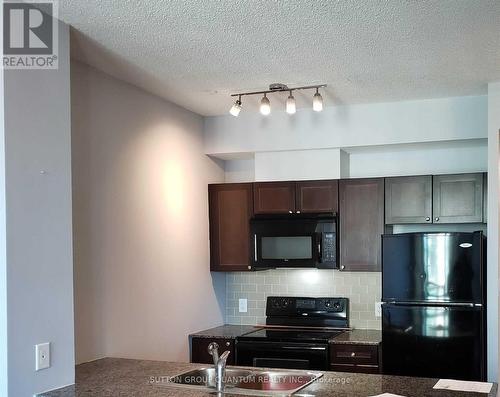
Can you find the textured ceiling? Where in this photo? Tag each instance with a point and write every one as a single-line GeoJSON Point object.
{"type": "Point", "coordinates": [196, 52]}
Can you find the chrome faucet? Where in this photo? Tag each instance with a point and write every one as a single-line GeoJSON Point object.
{"type": "Point", "coordinates": [219, 364]}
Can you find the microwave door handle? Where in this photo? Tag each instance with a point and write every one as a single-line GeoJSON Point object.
{"type": "Point", "coordinates": [255, 247]}
{"type": "Point", "coordinates": [318, 245]}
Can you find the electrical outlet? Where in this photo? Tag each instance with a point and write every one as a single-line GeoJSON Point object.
{"type": "Point", "coordinates": [378, 309]}
{"type": "Point", "coordinates": [42, 356]}
{"type": "Point", "coordinates": [243, 305]}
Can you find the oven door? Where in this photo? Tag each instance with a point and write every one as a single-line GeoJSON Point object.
{"type": "Point", "coordinates": [282, 355]}
{"type": "Point", "coordinates": [293, 242]}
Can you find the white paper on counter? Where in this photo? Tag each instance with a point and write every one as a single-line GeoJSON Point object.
{"type": "Point", "coordinates": [461, 385]}
{"type": "Point", "coordinates": [387, 395]}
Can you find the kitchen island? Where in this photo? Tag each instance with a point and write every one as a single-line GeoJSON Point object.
{"type": "Point", "coordinates": [115, 377]}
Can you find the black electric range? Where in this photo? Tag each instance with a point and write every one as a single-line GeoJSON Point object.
{"type": "Point", "coordinates": [296, 334]}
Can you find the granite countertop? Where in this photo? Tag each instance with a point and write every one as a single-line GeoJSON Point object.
{"type": "Point", "coordinates": [113, 377]}
{"type": "Point", "coordinates": [358, 337]}
{"type": "Point", "coordinates": [226, 331]}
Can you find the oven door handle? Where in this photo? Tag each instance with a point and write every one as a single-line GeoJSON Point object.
{"type": "Point", "coordinates": [304, 348]}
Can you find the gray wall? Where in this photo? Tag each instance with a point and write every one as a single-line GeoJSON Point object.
{"type": "Point", "coordinates": [3, 257]}
{"type": "Point", "coordinates": [493, 226]}
{"type": "Point", "coordinates": [39, 242]}
{"type": "Point", "coordinates": [142, 279]}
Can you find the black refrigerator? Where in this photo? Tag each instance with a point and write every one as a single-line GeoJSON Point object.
{"type": "Point", "coordinates": [434, 305]}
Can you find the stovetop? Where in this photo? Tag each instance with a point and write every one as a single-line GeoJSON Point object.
{"type": "Point", "coordinates": [291, 335]}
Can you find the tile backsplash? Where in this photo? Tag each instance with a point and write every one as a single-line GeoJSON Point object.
{"type": "Point", "coordinates": [362, 289]}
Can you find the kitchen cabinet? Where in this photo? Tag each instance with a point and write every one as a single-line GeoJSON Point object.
{"type": "Point", "coordinates": [408, 199]}
{"type": "Point", "coordinates": [355, 358]}
{"type": "Point", "coordinates": [485, 197]}
{"type": "Point", "coordinates": [199, 350]}
{"type": "Point", "coordinates": [317, 196]}
{"type": "Point", "coordinates": [274, 197]}
{"type": "Point", "coordinates": [458, 198]}
{"type": "Point", "coordinates": [230, 211]}
{"type": "Point", "coordinates": [361, 218]}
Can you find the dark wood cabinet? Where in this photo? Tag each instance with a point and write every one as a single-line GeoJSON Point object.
{"type": "Point", "coordinates": [274, 197]}
{"type": "Point", "coordinates": [230, 210]}
{"type": "Point", "coordinates": [361, 218]}
{"type": "Point", "coordinates": [355, 358]}
{"type": "Point", "coordinates": [199, 350]}
{"type": "Point", "coordinates": [485, 198]}
{"type": "Point", "coordinates": [458, 198]}
{"type": "Point", "coordinates": [317, 196]}
{"type": "Point", "coordinates": [408, 199]}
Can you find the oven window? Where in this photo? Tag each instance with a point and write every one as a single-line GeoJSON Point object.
{"type": "Point", "coordinates": [297, 247]}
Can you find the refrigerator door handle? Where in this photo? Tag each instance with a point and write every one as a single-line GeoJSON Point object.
{"type": "Point", "coordinates": [450, 304]}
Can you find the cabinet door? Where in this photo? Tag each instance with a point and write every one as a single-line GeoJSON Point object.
{"type": "Point", "coordinates": [485, 197]}
{"type": "Point", "coordinates": [408, 199]}
{"type": "Point", "coordinates": [230, 208]}
{"type": "Point", "coordinates": [274, 197]}
{"type": "Point", "coordinates": [317, 196]}
{"type": "Point", "coordinates": [458, 198]}
{"type": "Point", "coordinates": [199, 350]}
{"type": "Point", "coordinates": [361, 219]}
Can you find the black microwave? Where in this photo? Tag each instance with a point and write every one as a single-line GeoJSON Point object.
{"type": "Point", "coordinates": [296, 240]}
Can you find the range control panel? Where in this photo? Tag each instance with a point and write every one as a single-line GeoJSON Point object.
{"type": "Point", "coordinates": [312, 310]}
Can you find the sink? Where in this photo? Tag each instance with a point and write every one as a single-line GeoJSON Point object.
{"type": "Point", "coordinates": [206, 377]}
{"type": "Point", "coordinates": [250, 382]}
{"type": "Point", "coordinates": [277, 381]}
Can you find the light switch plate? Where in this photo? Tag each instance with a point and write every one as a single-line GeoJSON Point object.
{"type": "Point", "coordinates": [42, 356]}
{"type": "Point", "coordinates": [242, 305]}
{"type": "Point", "coordinates": [378, 309]}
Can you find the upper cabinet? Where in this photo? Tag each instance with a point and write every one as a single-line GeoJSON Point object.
{"type": "Point", "coordinates": [361, 217]}
{"type": "Point", "coordinates": [458, 198]}
{"type": "Point", "coordinates": [317, 196]}
{"type": "Point", "coordinates": [274, 197]}
{"type": "Point", "coordinates": [230, 210]}
{"type": "Point", "coordinates": [485, 197]}
{"type": "Point", "coordinates": [408, 199]}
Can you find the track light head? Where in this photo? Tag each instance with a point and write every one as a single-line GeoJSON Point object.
{"type": "Point", "coordinates": [317, 101]}
{"type": "Point", "coordinates": [265, 106]}
{"type": "Point", "coordinates": [236, 108]}
{"type": "Point", "coordinates": [290, 104]}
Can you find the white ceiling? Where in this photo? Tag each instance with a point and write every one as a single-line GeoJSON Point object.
{"type": "Point", "coordinates": [195, 53]}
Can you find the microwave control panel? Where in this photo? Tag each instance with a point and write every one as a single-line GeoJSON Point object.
{"type": "Point", "coordinates": [329, 247]}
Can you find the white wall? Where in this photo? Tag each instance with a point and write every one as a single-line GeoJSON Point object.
{"type": "Point", "coordinates": [297, 165]}
{"type": "Point", "coordinates": [349, 126]}
{"type": "Point", "coordinates": [493, 225]}
{"type": "Point", "coordinates": [427, 159]}
{"type": "Point", "coordinates": [39, 244]}
{"type": "Point", "coordinates": [142, 280]}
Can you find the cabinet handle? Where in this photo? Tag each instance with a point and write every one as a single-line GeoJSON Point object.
{"type": "Point", "coordinates": [342, 267]}
{"type": "Point", "coordinates": [290, 212]}
{"type": "Point", "coordinates": [427, 219]}
{"type": "Point", "coordinates": [353, 354]}
{"type": "Point", "coordinates": [298, 212]}
{"type": "Point", "coordinates": [436, 218]}
{"type": "Point", "coordinates": [228, 344]}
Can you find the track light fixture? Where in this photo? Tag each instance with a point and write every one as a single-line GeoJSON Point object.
{"type": "Point", "coordinates": [291, 108]}
{"type": "Point", "coordinates": [236, 108]}
{"type": "Point", "coordinates": [317, 102]}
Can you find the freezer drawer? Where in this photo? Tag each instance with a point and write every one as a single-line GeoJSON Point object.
{"type": "Point", "coordinates": [436, 342]}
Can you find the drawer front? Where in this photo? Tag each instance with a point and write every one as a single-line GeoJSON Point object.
{"type": "Point", "coordinates": [364, 369]}
{"type": "Point", "coordinates": [199, 350]}
{"type": "Point", "coordinates": [354, 354]}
